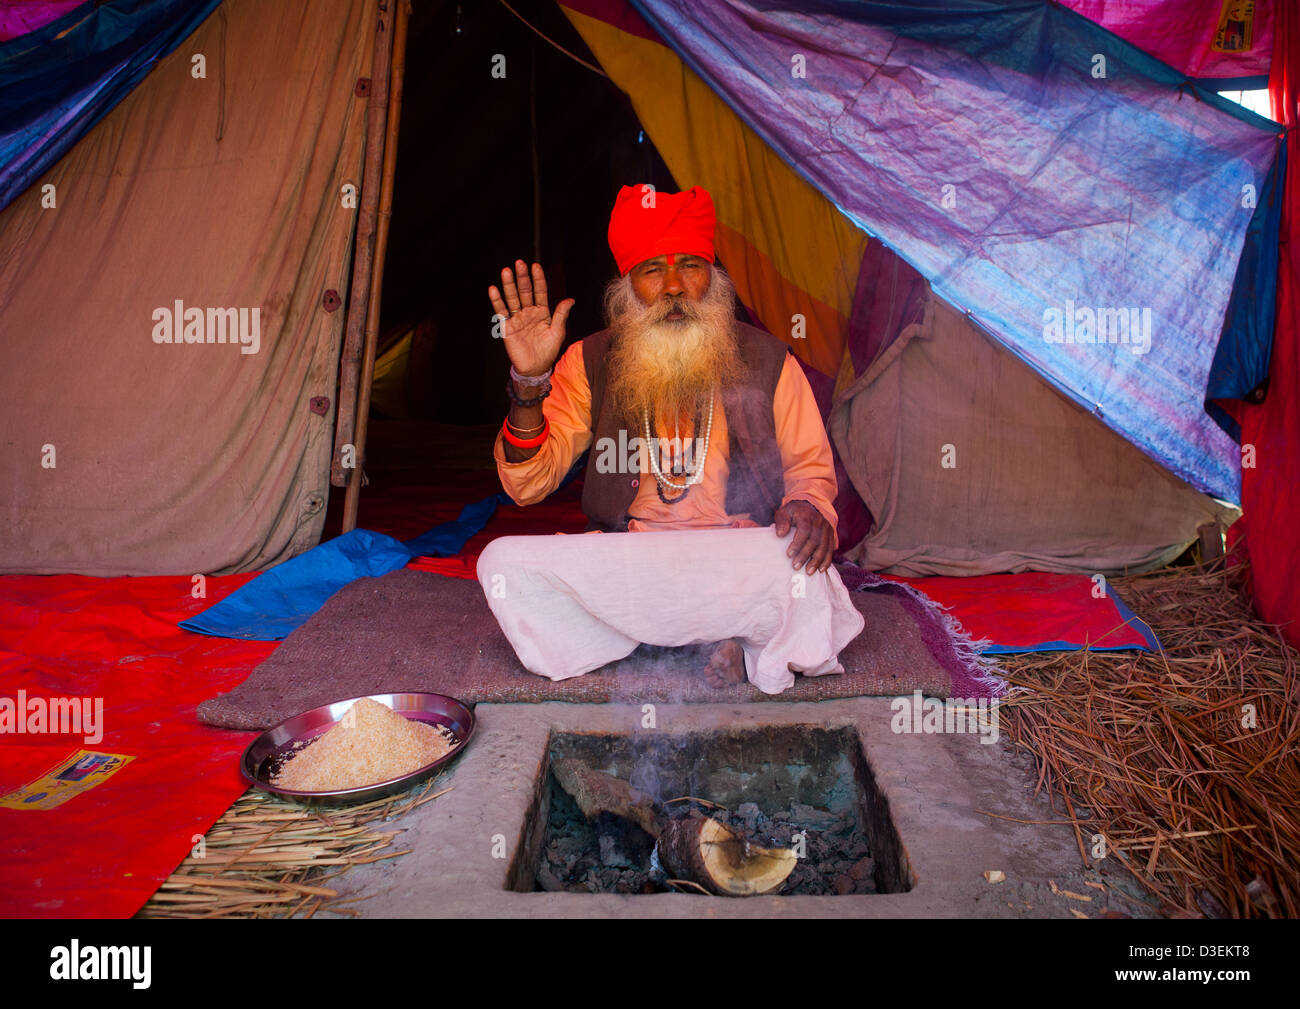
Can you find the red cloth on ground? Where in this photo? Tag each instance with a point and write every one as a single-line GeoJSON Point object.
{"type": "Point", "coordinates": [105, 851]}
{"type": "Point", "coordinates": [1032, 610]}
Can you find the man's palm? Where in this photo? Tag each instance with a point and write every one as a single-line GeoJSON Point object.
{"type": "Point", "coordinates": [533, 336]}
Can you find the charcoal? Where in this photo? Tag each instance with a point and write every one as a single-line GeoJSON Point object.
{"type": "Point", "coordinates": [611, 855]}
{"type": "Point", "coordinates": [863, 868]}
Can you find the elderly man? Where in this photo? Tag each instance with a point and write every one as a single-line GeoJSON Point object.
{"type": "Point", "coordinates": [703, 431]}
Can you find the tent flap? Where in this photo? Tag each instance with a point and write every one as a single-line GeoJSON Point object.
{"type": "Point", "coordinates": [164, 332]}
{"type": "Point", "coordinates": [1013, 476]}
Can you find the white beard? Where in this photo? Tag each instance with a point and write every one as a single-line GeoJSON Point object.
{"type": "Point", "coordinates": [671, 367]}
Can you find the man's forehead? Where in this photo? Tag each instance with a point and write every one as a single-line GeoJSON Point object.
{"type": "Point", "coordinates": [679, 258]}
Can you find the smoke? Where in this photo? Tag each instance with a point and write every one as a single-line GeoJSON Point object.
{"type": "Point", "coordinates": [655, 742]}
{"type": "Point", "coordinates": [668, 368]}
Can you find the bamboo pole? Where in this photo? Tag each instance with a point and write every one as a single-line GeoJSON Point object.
{"type": "Point", "coordinates": [363, 255]}
{"type": "Point", "coordinates": [351, 500]}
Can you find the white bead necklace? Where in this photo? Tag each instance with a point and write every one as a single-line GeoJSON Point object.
{"type": "Point", "coordinates": [697, 474]}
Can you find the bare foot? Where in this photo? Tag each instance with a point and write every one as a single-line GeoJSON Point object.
{"type": "Point", "coordinates": [726, 664]}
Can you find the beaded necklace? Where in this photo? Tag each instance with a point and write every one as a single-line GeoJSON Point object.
{"type": "Point", "coordinates": [694, 476]}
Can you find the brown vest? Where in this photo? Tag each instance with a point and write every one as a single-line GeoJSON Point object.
{"type": "Point", "coordinates": [756, 482]}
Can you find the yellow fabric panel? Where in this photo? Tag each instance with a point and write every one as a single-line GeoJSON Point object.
{"type": "Point", "coordinates": [789, 250]}
{"type": "Point", "coordinates": [821, 341]}
{"type": "Point", "coordinates": [388, 393]}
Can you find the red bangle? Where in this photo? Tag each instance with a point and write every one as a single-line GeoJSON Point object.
{"type": "Point", "coordinates": [518, 442]}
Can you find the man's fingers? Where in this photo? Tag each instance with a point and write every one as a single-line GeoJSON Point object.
{"type": "Point", "coordinates": [525, 284]}
{"type": "Point", "coordinates": [800, 547]}
{"type": "Point", "coordinates": [539, 287]}
{"type": "Point", "coordinates": [782, 521]}
{"type": "Point", "coordinates": [562, 311]}
{"type": "Point", "coordinates": [498, 306]}
{"type": "Point", "coordinates": [821, 558]}
{"type": "Point", "coordinates": [512, 293]}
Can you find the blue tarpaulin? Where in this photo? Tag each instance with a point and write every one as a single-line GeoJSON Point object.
{"type": "Point", "coordinates": [279, 601]}
{"type": "Point", "coordinates": [58, 83]}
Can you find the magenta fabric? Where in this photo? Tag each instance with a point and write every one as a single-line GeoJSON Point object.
{"type": "Point", "coordinates": [1182, 33]}
{"type": "Point", "coordinates": [18, 17]}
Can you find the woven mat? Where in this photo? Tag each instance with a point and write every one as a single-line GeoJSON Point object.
{"type": "Point", "coordinates": [415, 631]}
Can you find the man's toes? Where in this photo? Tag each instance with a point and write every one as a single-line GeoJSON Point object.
{"type": "Point", "coordinates": [725, 665]}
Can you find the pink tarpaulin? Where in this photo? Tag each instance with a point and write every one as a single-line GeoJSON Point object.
{"type": "Point", "coordinates": [1202, 38]}
{"type": "Point", "coordinates": [18, 17]}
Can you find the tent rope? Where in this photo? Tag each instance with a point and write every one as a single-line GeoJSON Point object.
{"type": "Point", "coordinates": [577, 59]}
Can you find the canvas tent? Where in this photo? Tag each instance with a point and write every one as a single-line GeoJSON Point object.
{"type": "Point", "coordinates": [906, 191]}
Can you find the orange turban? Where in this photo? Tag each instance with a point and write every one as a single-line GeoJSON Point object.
{"type": "Point", "coordinates": [646, 224]}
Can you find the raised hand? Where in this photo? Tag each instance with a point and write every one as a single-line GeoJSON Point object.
{"type": "Point", "coordinates": [533, 336]}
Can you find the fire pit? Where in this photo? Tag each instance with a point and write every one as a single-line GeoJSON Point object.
{"type": "Point", "coordinates": [800, 788]}
{"type": "Point", "coordinates": [476, 852]}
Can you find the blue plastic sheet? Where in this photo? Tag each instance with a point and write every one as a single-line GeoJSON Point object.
{"type": "Point", "coordinates": [279, 601]}
{"type": "Point", "coordinates": [60, 80]}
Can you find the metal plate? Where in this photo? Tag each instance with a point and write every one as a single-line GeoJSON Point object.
{"type": "Point", "coordinates": [267, 753]}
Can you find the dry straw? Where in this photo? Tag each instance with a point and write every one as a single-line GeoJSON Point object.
{"type": "Point", "coordinates": [1184, 762]}
{"type": "Point", "coordinates": [269, 857]}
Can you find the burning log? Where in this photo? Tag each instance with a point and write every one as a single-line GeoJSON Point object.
{"type": "Point", "coordinates": [707, 852]}
{"type": "Point", "coordinates": [694, 848]}
{"type": "Point", "coordinates": [596, 792]}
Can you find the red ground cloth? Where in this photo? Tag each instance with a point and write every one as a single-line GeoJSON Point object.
{"type": "Point", "coordinates": [105, 851]}
{"type": "Point", "coordinates": [1034, 611]}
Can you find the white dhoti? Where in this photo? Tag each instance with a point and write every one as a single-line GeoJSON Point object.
{"type": "Point", "coordinates": [570, 604]}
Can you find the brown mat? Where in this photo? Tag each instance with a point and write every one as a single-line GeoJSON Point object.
{"type": "Point", "coordinates": [413, 630]}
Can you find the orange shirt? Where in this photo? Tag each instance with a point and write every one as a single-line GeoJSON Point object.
{"type": "Point", "coordinates": [800, 434]}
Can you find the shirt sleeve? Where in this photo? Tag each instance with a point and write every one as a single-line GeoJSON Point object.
{"type": "Point", "coordinates": [805, 449]}
{"type": "Point", "coordinates": [568, 410]}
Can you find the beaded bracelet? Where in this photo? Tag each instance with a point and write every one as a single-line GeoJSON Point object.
{"type": "Point", "coordinates": [530, 380]}
{"type": "Point", "coordinates": [535, 401]}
